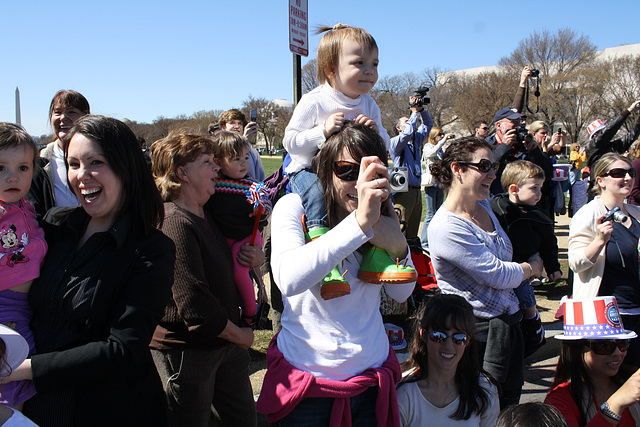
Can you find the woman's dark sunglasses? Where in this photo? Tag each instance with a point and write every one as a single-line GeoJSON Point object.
{"type": "Point", "coordinates": [457, 338]}
{"type": "Point", "coordinates": [621, 173]}
{"type": "Point", "coordinates": [483, 165]}
{"type": "Point", "coordinates": [346, 170]}
{"type": "Point", "coordinates": [606, 347]}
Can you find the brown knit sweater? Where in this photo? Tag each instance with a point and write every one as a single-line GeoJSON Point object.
{"type": "Point", "coordinates": [204, 294]}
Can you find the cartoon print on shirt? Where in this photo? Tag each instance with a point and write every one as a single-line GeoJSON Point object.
{"type": "Point", "coordinates": [12, 247]}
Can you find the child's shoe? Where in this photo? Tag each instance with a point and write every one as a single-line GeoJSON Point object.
{"type": "Point", "coordinates": [378, 267]}
{"type": "Point", "coordinates": [334, 284]}
{"type": "Point", "coordinates": [533, 334]}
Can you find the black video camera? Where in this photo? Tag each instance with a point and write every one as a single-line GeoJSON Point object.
{"type": "Point", "coordinates": [535, 72]}
{"type": "Point", "coordinates": [523, 137]}
{"type": "Point", "coordinates": [421, 94]}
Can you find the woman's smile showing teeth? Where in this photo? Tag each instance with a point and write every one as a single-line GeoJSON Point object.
{"type": "Point", "coordinates": [90, 194]}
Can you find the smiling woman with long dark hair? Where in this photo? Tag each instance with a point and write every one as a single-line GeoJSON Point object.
{"type": "Point", "coordinates": [446, 383]}
{"type": "Point", "coordinates": [332, 357]}
{"type": "Point", "coordinates": [102, 289]}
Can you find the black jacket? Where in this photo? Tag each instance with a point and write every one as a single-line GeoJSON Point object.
{"type": "Point", "coordinates": [604, 142]}
{"type": "Point", "coordinates": [95, 309]}
{"type": "Point", "coordinates": [530, 230]}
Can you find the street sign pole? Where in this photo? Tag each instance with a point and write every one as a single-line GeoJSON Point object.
{"type": "Point", "coordinates": [298, 41]}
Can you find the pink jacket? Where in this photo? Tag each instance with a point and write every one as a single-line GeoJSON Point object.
{"type": "Point", "coordinates": [22, 244]}
{"type": "Point", "coordinates": [285, 386]}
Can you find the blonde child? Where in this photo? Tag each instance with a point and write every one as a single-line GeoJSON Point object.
{"type": "Point", "coordinates": [347, 68]}
{"type": "Point", "coordinates": [531, 232]}
{"type": "Point", "coordinates": [233, 212]}
{"type": "Point", "coordinates": [22, 244]}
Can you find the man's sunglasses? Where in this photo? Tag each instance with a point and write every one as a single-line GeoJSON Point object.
{"type": "Point", "coordinates": [606, 347]}
{"type": "Point", "coordinates": [346, 170]}
{"type": "Point", "coordinates": [621, 173]}
{"type": "Point", "coordinates": [457, 338]}
{"type": "Point", "coordinates": [483, 165]}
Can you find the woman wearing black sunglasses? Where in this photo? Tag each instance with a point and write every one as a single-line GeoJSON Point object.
{"type": "Point", "coordinates": [592, 386]}
{"type": "Point", "coordinates": [472, 254]}
{"type": "Point", "coordinates": [444, 370]}
{"type": "Point", "coordinates": [332, 357]}
{"type": "Point", "coordinates": [603, 254]}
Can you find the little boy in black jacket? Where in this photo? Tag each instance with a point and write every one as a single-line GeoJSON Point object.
{"type": "Point", "coordinates": [531, 232]}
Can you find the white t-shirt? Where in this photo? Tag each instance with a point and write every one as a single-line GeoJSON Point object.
{"type": "Point", "coordinates": [333, 339]}
{"type": "Point", "coordinates": [62, 193]}
{"type": "Point", "coordinates": [416, 410]}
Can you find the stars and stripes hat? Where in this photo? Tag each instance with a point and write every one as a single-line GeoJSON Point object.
{"type": "Point", "coordinates": [593, 318]}
{"type": "Point", "coordinates": [594, 126]}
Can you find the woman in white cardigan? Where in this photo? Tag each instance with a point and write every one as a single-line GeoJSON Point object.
{"type": "Point", "coordinates": [603, 254]}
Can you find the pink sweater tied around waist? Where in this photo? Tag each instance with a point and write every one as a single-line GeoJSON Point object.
{"type": "Point", "coordinates": [284, 387]}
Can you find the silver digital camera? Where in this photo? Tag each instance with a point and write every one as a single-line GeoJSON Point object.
{"type": "Point", "coordinates": [399, 179]}
{"type": "Point", "coordinates": [615, 215]}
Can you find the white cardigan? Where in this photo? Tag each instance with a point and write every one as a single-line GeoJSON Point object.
{"type": "Point", "coordinates": [582, 231]}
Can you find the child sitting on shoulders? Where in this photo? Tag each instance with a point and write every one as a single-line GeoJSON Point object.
{"type": "Point", "coordinates": [22, 245]}
{"type": "Point", "coordinates": [531, 232]}
{"type": "Point", "coordinates": [347, 68]}
{"type": "Point", "coordinates": [233, 210]}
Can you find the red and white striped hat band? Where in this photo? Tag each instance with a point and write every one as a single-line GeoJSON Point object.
{"type": "Point", "coordinates": [560, 172]}
{"type": "Point", "coordinates": [594, 126]}
{"type": "Point", "coordinates": [593, 318]}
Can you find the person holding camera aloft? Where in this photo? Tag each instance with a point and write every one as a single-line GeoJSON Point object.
{"type": "Point", "coordinates": [603, 244]}
{"type": "Point", "coordinates": [405, 152]}
{"type": "Point", "coordinates": [601, 135]}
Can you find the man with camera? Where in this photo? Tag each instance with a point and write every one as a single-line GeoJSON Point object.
{"type": "Point", "coordinates": [513, 142]}
{"type": "Point", "coordinates": [405, 152]}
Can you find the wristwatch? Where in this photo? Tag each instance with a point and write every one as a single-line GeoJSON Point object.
{"type": "Point", "coordinates": [605, 410]}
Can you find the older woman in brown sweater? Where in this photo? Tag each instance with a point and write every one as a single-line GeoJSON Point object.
{"type": "Point", "coordinates": [198, 347]}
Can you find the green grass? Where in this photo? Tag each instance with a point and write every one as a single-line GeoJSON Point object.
{"type": "Point", "coordinates": [271, 163]}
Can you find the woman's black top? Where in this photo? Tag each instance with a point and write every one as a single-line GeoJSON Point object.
{"type": "Point", "coordinates": [94, 312]}
{"type": "Point", "coordinates": [621, 277]}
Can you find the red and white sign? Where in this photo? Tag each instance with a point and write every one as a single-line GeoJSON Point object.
{"type": "Point", "coordinates": [298, 27]}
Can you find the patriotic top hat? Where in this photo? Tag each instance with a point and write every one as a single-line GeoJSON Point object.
{"type": "Point", "coordinates": [594, 126]}
{"type": "Point", "coordinates": [396, 336]}
{"type": "Point", "coordinates": [594, 319]}
{"type": "Point", "coordinates": [560, 172]}
{"type": "Point", "coordinates": [17, 350]}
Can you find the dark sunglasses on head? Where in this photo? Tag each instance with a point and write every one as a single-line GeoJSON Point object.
{"type": "Point", "coordinates": [483, 165]}
{"type": "Point", "coordinates": [346, 170]}
{"type": "Point", "coordinates": [621, 173]}
{"type": "Point", "coordinates": [606, 347]}
{"type": "Point", "coordinates": [484, 128]}
{"type": "Point", "coordinates": [458, 338]}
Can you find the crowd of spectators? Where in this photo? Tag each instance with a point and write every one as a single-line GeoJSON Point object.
{"type": "Point", "coordinates": [142, 310]}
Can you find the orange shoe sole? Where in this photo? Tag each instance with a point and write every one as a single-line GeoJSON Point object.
{"type": "Point", "coordinates": [397, 278]}
{"type": "Point", "coordinates": [334, 290]}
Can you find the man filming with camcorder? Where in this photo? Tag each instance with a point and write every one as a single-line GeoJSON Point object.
{"type": "Point", "coordinates": [405, 153]}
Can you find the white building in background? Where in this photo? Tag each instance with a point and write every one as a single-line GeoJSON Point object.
{"type": "Point", "coordinates": [608, 53]}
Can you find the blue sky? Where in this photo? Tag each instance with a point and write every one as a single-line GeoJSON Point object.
{"type": "Point", "coordinates": [144, 59]}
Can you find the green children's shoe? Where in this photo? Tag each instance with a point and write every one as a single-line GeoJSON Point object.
{"type": "Point", "coordinates": [378, 267]}
{"type": "Point", "coordinates": [334, 284]}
